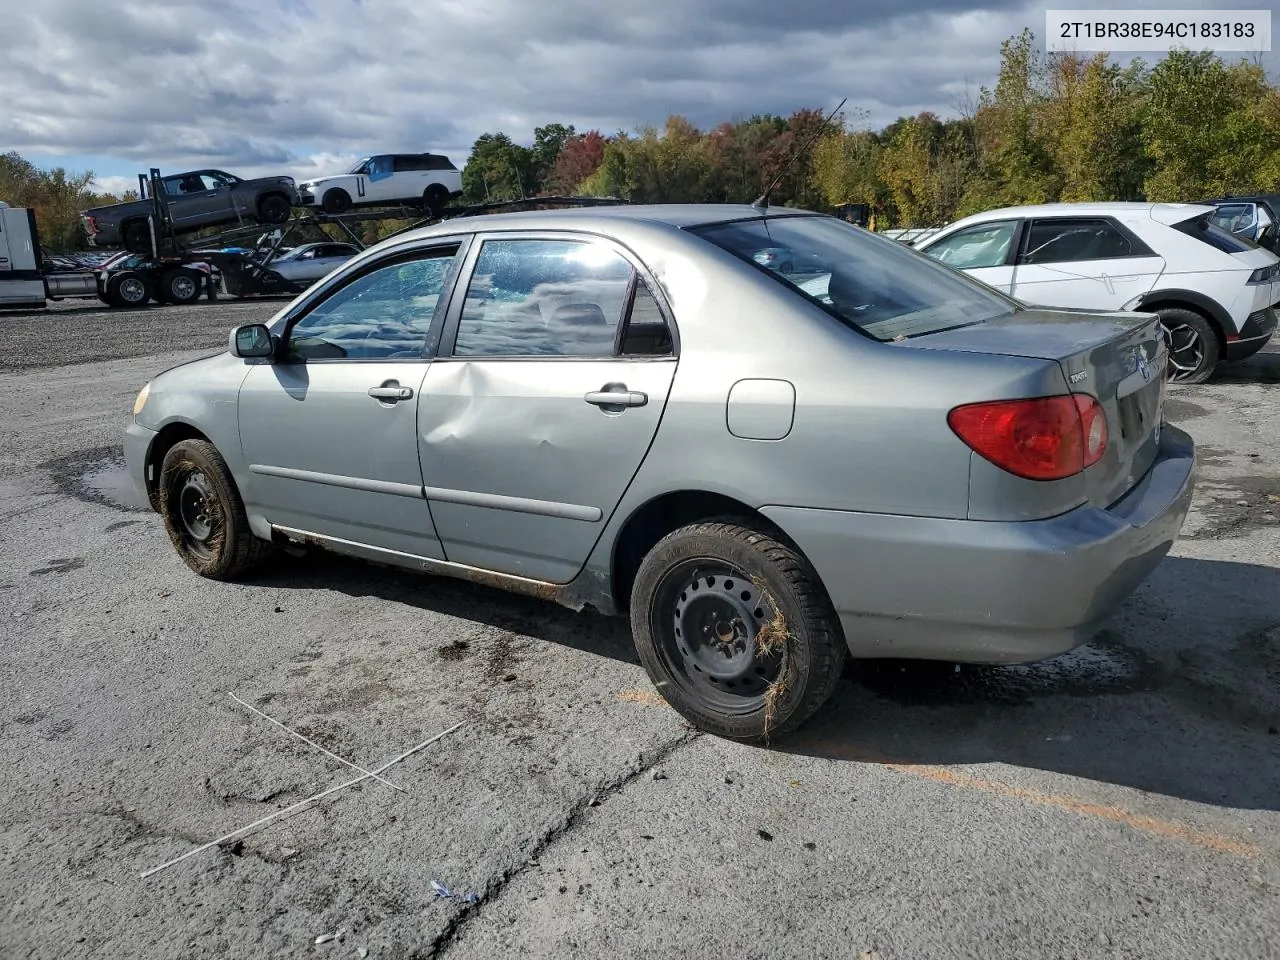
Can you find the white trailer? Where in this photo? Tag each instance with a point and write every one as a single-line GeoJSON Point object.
{"type": "Point", "coordinates": [21, 279]}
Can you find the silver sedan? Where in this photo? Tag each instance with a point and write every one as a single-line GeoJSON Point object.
{"type": "Point", "coordinates": [312, 261]}
{"type": "Point", "coordinates": [622, 408]}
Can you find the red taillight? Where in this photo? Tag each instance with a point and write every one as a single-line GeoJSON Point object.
{"type": "Point", "coordinates": [1045, 438]}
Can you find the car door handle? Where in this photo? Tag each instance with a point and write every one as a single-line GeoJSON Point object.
{"type": "Point", "coordinates": [391, 391]}
{"type": "Point", "coordinates": [617, 398]}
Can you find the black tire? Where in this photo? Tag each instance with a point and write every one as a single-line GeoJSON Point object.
{"type": "Point", "coordinates": [204, 515]}
{"type": "Point", "coordinates": [336, 200]}
{"type": "Point", "coordinates": [1194, 350]}
{"type": "Point", "coordinates": [181, 285]}
{"type": "Point", "coordinates": [127, 289]}
{"type": "Point", "coordinates": [762, 626]}
{"type": "Point", "coordinates": [434, 200]}
{"type": "Point", "coordinates": [137, 236]}
{"type": "Point", "coordinates": [274, 208]}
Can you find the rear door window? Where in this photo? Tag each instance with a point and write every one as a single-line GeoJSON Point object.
{"type": "Point", "coordinates": [1069, 240]}
{"type": "Point", "coordinates": [544, 298]}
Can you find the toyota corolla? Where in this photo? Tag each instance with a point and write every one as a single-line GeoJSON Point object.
{"type": "Point", "coordinates": [623, 408]}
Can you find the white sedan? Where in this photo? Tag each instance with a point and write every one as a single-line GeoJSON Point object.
{"type": "Point", "coordinates": [1215, 293]}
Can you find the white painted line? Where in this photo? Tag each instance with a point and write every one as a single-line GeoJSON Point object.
{"type": "Point", "coordinates": [300, 804]}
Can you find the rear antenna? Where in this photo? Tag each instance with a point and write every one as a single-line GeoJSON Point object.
{"type": "Point", "coordinates": [762, 202]}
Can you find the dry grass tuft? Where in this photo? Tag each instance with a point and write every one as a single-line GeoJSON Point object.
{"type": "Point", "coordinates": [774, 637]}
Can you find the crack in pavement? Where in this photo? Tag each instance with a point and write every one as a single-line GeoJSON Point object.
{"type": "Point", "coordinates": [495, 887]}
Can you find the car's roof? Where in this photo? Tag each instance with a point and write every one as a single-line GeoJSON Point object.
{"type": "Point", "coordinates": [680, 215]}
{"type": "Point", "coordinates": [1157, 211]}
{"type": "Point", "coordinates": [1166, 213]}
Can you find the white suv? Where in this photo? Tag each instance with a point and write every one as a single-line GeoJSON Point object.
{"type": "Point", "coordinates": [1215, 293]}
{"type": "Point", "coordinates": [425, 180]}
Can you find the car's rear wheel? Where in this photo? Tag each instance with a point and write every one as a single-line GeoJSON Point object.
{"type": "Point", "coordinates": [735, 629]}
{"type": "Point", "coordinates": [127, 289]}
{"type": "Point", "coordinates": [336, 200]}
{"type": "Point", "coordinates": [181, 286]}
{"type": "Point", "coordinates": [274, 209]}
{"type": "Point", "coordinates": [204, 515]}
{"type": "Point", "coordinates": [434, 200]}
{"type": "Point", "coordinates": [1193, 345]}
{"type": "Point", "coordinates": [137, 237]}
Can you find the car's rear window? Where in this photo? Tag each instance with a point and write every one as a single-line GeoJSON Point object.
{"type": "Point", "coordinates": [876, 285]}
{"type": "Point", "coordinates": [1204, 229]}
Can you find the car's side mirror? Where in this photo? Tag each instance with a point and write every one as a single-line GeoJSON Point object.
{"type": "Point", "coordinates": [252, 340]}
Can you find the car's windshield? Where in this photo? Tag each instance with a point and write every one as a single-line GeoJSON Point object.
{"type": "Point", "coordinates": [359, 167]}
{"type": "Point", "coordinates": [877, 285]}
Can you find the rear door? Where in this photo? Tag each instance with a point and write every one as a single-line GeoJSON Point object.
{"type": "Point", "coordinates": [985, 251]}
{"type": "Point", "coordinates": [1090, 263]}
{"type": "Point", "coordinates": [554, 371]}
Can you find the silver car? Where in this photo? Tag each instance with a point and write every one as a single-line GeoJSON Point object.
{"type": "Point", "coordinates": [312, 261]}
{"type": "Point", "coordinates": [620, 408]}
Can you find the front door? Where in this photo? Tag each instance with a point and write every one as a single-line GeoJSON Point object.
{"type": "Point", "coordinates": [382, 180]}
{"type": "Point", "coordinates": [329, 429]}
{"type": "Point", "coordinates": [985, 251]}
{"type": "Point", "coordinates": [1087, 263]}
{"type": "Point", "coordinates": [537, 416]}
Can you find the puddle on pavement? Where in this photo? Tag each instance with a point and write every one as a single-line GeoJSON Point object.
{"type": "Point", "coordinates": [98, 476]}
{"type": "Point", "coordinates": [1099, 668]}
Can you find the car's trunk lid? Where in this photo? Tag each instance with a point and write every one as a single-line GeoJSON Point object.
{"type": "Point", "coordinates": [1118, 358]}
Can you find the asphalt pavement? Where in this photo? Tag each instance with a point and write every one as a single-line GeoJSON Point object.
{"type": "Point", "coordinates": [1121, 801]}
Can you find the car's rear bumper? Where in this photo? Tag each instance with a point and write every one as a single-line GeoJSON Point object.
{"type": "Point", "coordinates": [1255, 332]}
{"type": "Point", "coordinates": [992, 592]}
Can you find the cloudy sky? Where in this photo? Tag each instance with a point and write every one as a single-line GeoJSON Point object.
{"type": "Point", "coordinates": [307, 86]}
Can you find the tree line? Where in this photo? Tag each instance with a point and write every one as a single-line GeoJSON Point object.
{"type": "Point", "coordinates": [1057, 127]}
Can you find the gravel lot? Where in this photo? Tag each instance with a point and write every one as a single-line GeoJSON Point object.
{"type": "Point", "coordinates": [1121, 801]}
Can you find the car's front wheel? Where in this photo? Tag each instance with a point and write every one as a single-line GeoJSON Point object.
{"type": "Point", "coordinates": [1193, 345]}
{"type": "Point", "coordinates": [735, 629]}
{"type": "Point", "coordinates": [204, 515]}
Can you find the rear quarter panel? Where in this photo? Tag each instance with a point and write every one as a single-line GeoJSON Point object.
{"type": "Point", "coordinates": [869, 431]}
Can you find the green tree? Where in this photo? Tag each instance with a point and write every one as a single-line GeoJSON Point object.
{"type": "Point", "coordinates": [498, 169]}
{"type": "Point", "coordinates": [548, 142]}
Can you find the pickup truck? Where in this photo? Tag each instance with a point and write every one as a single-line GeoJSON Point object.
{"type": "Point", "coordinates": [197, 199]}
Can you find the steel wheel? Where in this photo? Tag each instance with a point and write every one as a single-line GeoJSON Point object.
{"type": "Point", "coordinates": [132, 290]}
{"type": "Point", "coordinates": [200, 514]}
{"type": "Point", "coordinates": [710, 639]}
{"type": "Point", "coordinates": [183, 287]}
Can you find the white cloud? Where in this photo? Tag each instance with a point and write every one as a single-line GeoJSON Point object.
{"type": "Point", "coordinates": [307, 86]}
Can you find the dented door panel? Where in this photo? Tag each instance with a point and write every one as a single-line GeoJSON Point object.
{"type": "Point", "coordinates": [521, 469]}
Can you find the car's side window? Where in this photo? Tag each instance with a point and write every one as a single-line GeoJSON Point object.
{"type": "Point", "coordinates": [646, 333]}
{"type": "Point", "coordinates": [540, 298]}
{"type": "Point", "coordinates": [983, 245]}
{"type": "Point", "coordinates": [1063, 241]}
{"type": "Point", "coordinates": [384, 314]}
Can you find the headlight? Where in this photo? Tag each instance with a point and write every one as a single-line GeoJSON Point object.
{"type": "Point", "coordinates": [141, 401]}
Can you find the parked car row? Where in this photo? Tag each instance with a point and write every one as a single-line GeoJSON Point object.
{"type": "Point", "coordinates": [1196, 266]}
{"type": "Point", "coordinates": [200, 199]}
